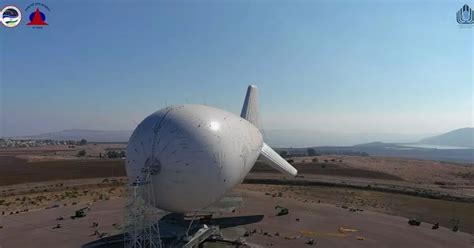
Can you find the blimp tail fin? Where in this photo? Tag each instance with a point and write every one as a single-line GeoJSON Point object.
{"type": "Point", "coordinates": [273, 159]}
{"type": "Point", "coordinates": [250, 108]}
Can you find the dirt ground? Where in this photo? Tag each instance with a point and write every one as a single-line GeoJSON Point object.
{"type": "Point", "coordinates": [411, 170]}
{"type": "Point", "coordinates": [323, 223]}
{"type": "Point", "coordinates": [37, 185]}
{"type": "Point", "coordinates": [330, 169]}
{"type": "Point", "coordinates": [424, 209]}
{"type": "Point", "coordinates": [16, 163]}
{"type": "Point", "coordinates": [15, 170]}
{"type": "Point", "coordinates": [326, 224]}
{"type": "Point", "coordinates": [23, 198]}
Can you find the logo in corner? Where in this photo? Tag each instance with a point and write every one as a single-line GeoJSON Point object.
{"type": "Point", "coordinates": [10, 16]}
{"type": "Point", "coordinates": [38, 16]}
{"type": "Point", "coordinates": [465, 15]}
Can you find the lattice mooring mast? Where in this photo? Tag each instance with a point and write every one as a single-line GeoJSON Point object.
{"type": "Point", "coordinates": [141, 215]}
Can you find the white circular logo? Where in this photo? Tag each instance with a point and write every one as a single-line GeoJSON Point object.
{"type": "Point", "coordinates": [10, 16]}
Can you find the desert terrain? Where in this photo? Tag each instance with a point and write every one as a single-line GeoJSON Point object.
{"type": "Point", "coordinates": [42, 187]}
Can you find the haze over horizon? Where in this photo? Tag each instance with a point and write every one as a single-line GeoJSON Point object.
{"type": "Point", "coordinates": [290, 138]}
{"type": "Point", "coordinates": [388, 70]}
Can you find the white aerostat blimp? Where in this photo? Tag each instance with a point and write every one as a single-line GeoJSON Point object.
{"type": "Point", "coordinates": [197, 153]}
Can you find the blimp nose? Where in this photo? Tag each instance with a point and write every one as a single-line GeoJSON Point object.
{"type": "Point", "coordinates": [198, 154]}
{"type": "Point", "coordinates": [195, 153]}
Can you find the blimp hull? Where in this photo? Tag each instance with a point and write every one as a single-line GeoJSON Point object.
{"type": "Point", "coordinates": [196, 154]}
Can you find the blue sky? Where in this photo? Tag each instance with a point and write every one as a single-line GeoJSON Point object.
{"type": "Point", "coordinates": [331, 66]}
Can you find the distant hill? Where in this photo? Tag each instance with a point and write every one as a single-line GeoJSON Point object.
{"type": "Point", "coordinates": [376, 144]}
{"type": "Point", "coordinates": [309, 138]}
{"type": "Point", "coordinates": [274, 137]}
{"type": "Point", "coordinates": [297, 142]}
{"type": "Point", "coordinates": [89, 135]}
{"type": "Point", "coordinates": [463, 137]}
{"type": "Point", "coordinates": [391, 150]}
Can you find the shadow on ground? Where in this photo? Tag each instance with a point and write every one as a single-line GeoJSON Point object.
{"type": "Point", "coordinates": [173, 226]}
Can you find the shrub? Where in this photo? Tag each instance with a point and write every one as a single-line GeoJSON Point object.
{"type": "Point", "coordinates": [81, 153]}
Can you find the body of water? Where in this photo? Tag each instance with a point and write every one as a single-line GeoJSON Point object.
{"type": "Point", "coordinates": [435, 146]}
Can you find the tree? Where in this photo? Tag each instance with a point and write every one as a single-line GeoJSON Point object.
{"type": "Point", "coordinates": [81, 153]}
{"type": "Point", "coordinates": [83, 142]}
{"type": "Point", "coordinates": [122, 154]}
{"type": "Point", "coordinates": [112, 154]}
{"type": "Point", "coordinates": [115, 154]}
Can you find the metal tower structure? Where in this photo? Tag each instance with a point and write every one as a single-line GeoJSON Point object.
{"type": "Point", "coordinates": [141, 217]}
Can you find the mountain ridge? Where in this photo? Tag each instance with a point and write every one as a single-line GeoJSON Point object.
{"type": "Point", "coordinates": [88, 134]}
{"type": "Point", "coordinates": [461, 137]}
